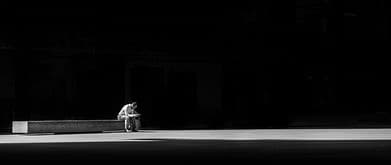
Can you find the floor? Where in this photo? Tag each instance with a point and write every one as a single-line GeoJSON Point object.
{"type": "Point", "coordinates": [203, 146]}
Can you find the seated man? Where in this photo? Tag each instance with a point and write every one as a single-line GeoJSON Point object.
{"type": "Point", "coordinates": [129, 114]}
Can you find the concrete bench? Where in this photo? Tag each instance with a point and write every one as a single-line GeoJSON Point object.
{"type": "Point", "coordinates": [66, 126]}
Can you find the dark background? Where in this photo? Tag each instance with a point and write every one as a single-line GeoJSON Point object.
{"type": "Point", "coordinates": [271, 64]}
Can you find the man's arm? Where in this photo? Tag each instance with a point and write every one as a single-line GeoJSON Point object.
{"type": "Point", "coordinates": [123, 110]}
{"type": "Point", "coordinates": [133, 115]}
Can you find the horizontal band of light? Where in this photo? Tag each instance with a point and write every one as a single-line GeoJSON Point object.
{"type": "Point", "coordinates": [240, 134]}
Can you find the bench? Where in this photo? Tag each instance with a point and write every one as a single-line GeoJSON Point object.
{"type": "Point", "coordinates": [66, 126]}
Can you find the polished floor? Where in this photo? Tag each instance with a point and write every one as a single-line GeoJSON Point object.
{"type": "Point", "coordinates": [203, 146]}
{"type": "Point", "coordinates": [239, 134]}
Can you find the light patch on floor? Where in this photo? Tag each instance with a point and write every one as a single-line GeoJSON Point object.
{"type": "Point", "coordinates": [242, 134]}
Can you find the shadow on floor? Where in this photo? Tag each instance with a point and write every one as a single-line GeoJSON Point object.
{"type": "Point", "coordinates": [174, 151]}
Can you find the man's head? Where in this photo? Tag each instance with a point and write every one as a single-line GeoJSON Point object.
{"type": "Point", "coordinates": [133, 105]}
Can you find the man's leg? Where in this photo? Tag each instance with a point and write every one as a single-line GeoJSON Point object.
{"type": "Point", "coordinates": [127, 122]}
{"type": "Point", "coordinates": [133, 124]}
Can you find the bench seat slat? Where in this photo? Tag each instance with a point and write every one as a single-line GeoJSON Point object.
{"type": "Point", "coordinates": [63, 126]}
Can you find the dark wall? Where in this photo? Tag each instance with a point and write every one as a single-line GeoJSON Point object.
{"type": "Point", "coordinates": [281, 92]}
{"type": "Point", "coordinates": [99, 87]}
{"type": "Point", "coordinates": [277, 64]}
{"type": "Point", "coordinates": [176, 94]}
{"type": "Point", "coordinates": [307, 91]}
{"type": "Point", "coordinates": [72, 87]}
{"type": "Point", "coordinates": [7, 88]}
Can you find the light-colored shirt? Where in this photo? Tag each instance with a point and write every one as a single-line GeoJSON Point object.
{"type": "Point", "coordinates": [126, 109]}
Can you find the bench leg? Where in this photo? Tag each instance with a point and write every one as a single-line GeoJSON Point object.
{"type": "Point", "coordinates": [137, 124]}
